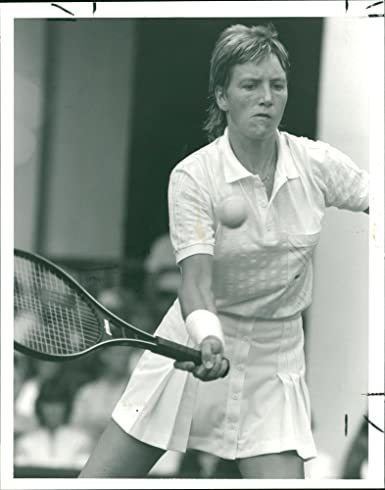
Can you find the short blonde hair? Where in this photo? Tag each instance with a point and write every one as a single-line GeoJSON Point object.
{"type": "Point", "coordinates": [238, 44]}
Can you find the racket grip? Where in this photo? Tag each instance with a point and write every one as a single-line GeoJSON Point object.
{"type": "Point", "coordinates": [178, 352]}
{"type": "Point", "coordinates": [182, 353]}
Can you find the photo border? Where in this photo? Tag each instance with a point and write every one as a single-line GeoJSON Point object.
{"type": "Point", "coordinates": [338, 8]}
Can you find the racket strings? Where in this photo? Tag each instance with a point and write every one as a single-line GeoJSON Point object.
{"type": "Point", "coordinates": [50, 316]}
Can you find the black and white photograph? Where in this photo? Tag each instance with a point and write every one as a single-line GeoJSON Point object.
{"type": "Point", "coordinates": [192, 246]}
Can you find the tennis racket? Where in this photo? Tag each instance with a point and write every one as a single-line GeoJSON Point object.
{"type": "Point", "coordinates": [57, 319]}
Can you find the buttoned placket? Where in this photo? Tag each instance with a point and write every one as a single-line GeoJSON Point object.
{"type": "Point", "coordinates": [263, 204]}
{"type": "Point", "coordinates": [266, 205]}
{"type": "Point", "coordinates": [259, 197]}
{"type": "Point", "coordinates": [236, 384]}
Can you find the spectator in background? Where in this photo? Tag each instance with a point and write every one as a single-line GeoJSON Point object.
{"type": "Point", "coordinates": [30, 374]}
{"type": "Point", "coordinates": [53, 443]}
{"type": "Point", "coordinates": [126, 304]}
{"type": "Point", "coordinates": [28, 390]}
{"type": "Point", "coordinates": [162, 278]}
{"type": "Point", "coordinates": [121, 301]}
{"type": "Point", "coordinates": [23, 419]}
{"type": "Point", "coordinates": [94, 401]}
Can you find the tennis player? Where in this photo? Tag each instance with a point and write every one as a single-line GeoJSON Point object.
{"type": "Point", "coordinates": [243, 289]}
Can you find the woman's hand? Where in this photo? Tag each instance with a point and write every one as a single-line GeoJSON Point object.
{"type": "Point", "coordinates": [213, 366]}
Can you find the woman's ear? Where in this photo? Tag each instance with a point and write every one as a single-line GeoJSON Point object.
{"type": "Point", "coordinates": [220, 97]}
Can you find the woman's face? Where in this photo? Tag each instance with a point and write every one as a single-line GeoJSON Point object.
{"type": "Point", "coordinates": [255, 98]}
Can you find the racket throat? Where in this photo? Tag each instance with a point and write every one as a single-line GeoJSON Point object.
{"type": "Point", "coordinates": [111, 330]}
{"type": "Point", "coordinates": [107, 328]}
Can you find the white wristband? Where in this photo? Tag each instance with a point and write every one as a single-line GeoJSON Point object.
{"type": "Point", "coordinates": [202, 323]}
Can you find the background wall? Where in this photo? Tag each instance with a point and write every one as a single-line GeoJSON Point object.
{"type": "Point", "coordinates": [70, 195]}
{"type": "Point", "coordinates": [30, 60]}
{"type": "Point", "coordinates": [90, 97]}
{"type": "Point", "coordinates": [338, 319]}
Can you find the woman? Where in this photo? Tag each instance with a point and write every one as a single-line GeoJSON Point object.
{"type": "Point", "coordinates": [243, 290]}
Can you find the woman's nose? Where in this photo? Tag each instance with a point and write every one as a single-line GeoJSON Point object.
{"type": "Point", "coordinates": [265, 96]}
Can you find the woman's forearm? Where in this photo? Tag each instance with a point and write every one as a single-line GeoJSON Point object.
{"type": "Point", "coordinates": [197, 299]}
{"type": "Point", "coordinates": [196, 287]}
{"type": "Point", "coordinates": [194, 296]}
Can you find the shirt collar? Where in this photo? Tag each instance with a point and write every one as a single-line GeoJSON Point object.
{"type": "Point", "coordinates": [234, 170]}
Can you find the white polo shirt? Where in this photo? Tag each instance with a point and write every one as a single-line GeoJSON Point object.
{"type": "Point", "coordinates": [262, 269]}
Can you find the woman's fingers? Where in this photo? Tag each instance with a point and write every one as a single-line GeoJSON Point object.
{"type": "Point", "coordinates": [185, 365]}
{"type": "Point", "coordinates": [225, 367]}
{"type": "Point", "coordinates": [210, 347]}
{"type": "Point", "coordinates": [220, 368]}
{"type": "Point", "coordinates": [215, 372]}
{"type": "Point", "coordinates": [213, 364]}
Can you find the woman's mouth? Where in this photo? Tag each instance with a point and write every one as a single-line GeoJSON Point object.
{"type": "Point", "coordinates": [263, 115]}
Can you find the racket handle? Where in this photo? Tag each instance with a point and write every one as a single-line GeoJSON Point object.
{"type": "Point", "coordinates": [182, 353]}
{"type": "Point", "coordinates": [178, 352]}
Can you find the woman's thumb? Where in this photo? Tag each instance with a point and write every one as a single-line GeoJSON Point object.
{"type": "Point", "coordinates": [208, 356]}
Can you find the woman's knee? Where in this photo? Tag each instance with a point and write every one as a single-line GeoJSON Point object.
{"type": "Point", "coordinates": [284, 465]}
{"type": "Point", "coordinates": [117, 454]}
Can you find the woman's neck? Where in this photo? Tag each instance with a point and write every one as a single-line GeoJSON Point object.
{"type": "Point", "coordinates": [255, 155]}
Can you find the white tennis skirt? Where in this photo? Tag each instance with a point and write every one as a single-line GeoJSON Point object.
{"type": "Point", "coordinates": [261, 407]}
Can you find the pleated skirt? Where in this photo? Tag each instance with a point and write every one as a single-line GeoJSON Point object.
{"type": "Point", "coordinates": [261, 407]}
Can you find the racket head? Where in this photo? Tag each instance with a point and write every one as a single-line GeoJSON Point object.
{"type": "Point", "coordinates": [54, 318]}
{"type": "Point", "coordinates": [57, 319]}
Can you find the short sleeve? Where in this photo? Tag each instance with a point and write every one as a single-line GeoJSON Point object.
{"type": "Point", "coordinates": [343, 183]}
{"type": "Point", "coordinates": [190, 214]}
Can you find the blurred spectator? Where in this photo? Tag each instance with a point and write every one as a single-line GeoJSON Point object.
{"type": "Point", "coordinates": [21, 368]}
{"type": "Point", "coordinates": [126, 304]}
{"type": "Point", "coordinates": [28, 390]}
{"type": "Point", "coordinates": [120, 301]}
{"type": "Point", "coordinates": [23, 420]}
{"type": "Point", "coordinates": [356, 462]}
{"type": "Point", "coordinates": [53, 443]}
{"type": "Point", "coordinates": [162, 278]}
{"type": "Point", "coordinates": [95, 401]}
{"type": "Point", "coordinates": [161, 283]}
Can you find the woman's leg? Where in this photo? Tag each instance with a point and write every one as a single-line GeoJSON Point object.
{"type": "Point", "coordinates": [280, 465]}
{"type": "Point", "coordinates": [118, 455]}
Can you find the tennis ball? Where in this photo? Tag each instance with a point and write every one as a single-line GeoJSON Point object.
{"type": "Point", "coordinates": [232, 211]}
